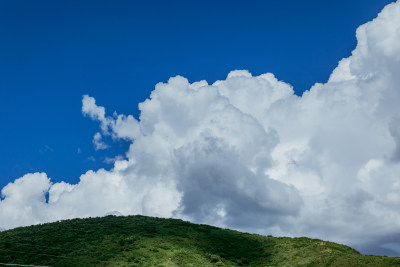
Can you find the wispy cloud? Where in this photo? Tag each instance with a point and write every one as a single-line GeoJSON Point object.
{"type": "Point", "coordinates": [98, 142]}
{"type": "Point", "coordinates": [108, 160]}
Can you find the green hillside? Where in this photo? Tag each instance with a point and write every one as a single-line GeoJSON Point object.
{"type": "Point", "coordinates": [147, 241]}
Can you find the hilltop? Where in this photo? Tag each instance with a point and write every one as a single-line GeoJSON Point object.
{"type": "Point", "coordinates": [148, 241]}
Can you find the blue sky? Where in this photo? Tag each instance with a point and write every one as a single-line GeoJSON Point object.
{"type": "Point", "coordinates": [53, 52]}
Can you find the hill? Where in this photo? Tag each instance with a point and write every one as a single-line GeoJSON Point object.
{"type": "Point", "coordinates": [148, 241]}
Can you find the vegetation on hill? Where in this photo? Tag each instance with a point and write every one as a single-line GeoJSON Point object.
{"type": "Point", "coordinates": [147, 241]}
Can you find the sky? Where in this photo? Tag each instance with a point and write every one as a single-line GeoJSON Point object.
{"type": "Point", "coordinates": [246, 119]}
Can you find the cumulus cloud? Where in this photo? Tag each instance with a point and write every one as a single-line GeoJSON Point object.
{"type": "Point", "coordinates": [247, 153]}
{"type": "Point", "coordinates": [118, 126]}
{"type": "Point", "coordinates": [89, 108]}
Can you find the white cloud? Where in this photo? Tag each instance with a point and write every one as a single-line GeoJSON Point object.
{"type": "Point", "coordinates": [119, 126]}
{"type": "Point", "coordinates": [24, 201]}
{"type": "Point", "coordinates": [89, 108]}
{"type": "Point", "coordinates": [98, 142]}
{"type": "Point", "coordinates": [109, 160]}
{"type": "Point", "coordinates": [247, 153]}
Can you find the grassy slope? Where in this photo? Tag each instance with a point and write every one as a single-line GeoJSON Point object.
{"type": "Point", "coordinates": [147, 241]}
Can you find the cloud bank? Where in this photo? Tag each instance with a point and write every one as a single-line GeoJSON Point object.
{"type": "Point", "coordinates": [249, 154]}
